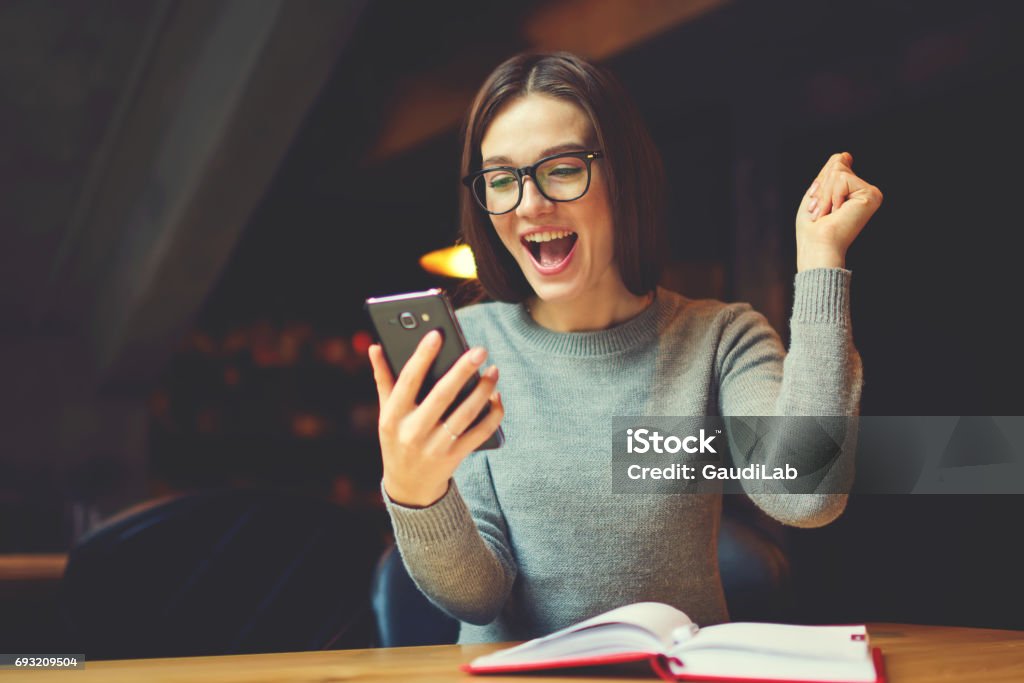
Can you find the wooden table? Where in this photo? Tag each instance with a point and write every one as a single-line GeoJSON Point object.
{"type": "Point", "coordinates": [912, 654]}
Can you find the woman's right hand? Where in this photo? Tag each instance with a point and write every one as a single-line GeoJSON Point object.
{"type": "Point", "coordinates": [420, 452]}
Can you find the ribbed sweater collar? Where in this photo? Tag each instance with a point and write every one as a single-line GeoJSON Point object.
{"type": "Point", "coordinates": [637, 331]}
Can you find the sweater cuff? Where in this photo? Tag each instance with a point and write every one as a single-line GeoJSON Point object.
{"type": "Point", "coordinates": [446, 518]}
{"type": "Point", "coordinates": [822, 295]}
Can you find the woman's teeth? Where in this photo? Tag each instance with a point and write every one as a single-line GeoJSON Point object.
{"type": "Point", "coordinates": [547, 236]}
{"type": "Point", "coordinates": [550, 247]}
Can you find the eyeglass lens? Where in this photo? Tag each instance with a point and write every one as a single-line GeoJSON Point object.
{"type": "Point", "coordinates": [562, 179]}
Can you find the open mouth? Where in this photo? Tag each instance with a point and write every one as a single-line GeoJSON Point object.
{"type": "Point", "coordinates": [550, 249]}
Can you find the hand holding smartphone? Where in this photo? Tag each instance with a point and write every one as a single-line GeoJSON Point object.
{"type": "Point", "coordinates": [401, 321]}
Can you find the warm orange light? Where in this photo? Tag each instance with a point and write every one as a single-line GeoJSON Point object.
{"type": "Point", "coordinates": [454, 261]}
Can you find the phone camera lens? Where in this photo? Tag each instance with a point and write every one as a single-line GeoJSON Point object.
{"type": "Point", "coordinates": [408, 320]}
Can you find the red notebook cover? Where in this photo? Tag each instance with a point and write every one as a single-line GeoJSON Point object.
{"type": "Point", "coordinates": [658, 662]}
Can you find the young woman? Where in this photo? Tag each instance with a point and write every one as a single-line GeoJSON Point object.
{"type": "Point", "coordinates": [561, 209]}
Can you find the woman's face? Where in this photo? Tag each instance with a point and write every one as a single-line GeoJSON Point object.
{"type": "Point", "coordinates": [563, 248]}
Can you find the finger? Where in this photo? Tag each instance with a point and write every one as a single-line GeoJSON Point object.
{"type": "Point", "coordinates": [381, 373]}
{"type": "Point", "coordinates": [475, 437]}
{"type": "Point", "coordinates": [838, 159]}
{"type": "Point", "coordinates": [850, 186]}
{"type": "Point", "coordinates": [462, 417]}
{"type": "Point", "coordinates": [827, 167]}
{"type": "Point", "coordinates": [410, 378]}
{"type": "Point", "coordinates": [863, 193]}
{"type": "Point", "coordinates": [840, 190]}
{"type": "Point", "coordinates": [855, 182]}
{"type": "Point", "coordinates": [813, 198]}
{"type": "Point", "coordinates": [836, 188]}
{"type": "Point", "coordinates": [448, 387]}
{"type": "Point", "coordinates": [824, 205]}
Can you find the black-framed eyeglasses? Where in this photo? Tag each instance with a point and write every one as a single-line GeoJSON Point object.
{"type": "Point", "coordinates": [561, 177]}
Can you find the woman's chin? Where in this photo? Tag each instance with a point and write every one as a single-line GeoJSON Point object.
{"type": "Point", "coordinates": [564, 286]}
{"type": "Point", "coordinates": [556, 292]}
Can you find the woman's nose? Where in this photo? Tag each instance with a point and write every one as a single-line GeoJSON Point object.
{"type": "Point", "coordinates": [533, 202]}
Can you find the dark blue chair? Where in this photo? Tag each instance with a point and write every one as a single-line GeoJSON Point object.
{"type": "Point", "coordinates": [404, 615]}
{"type": "Point", "coordinates": [755, 572]}
{"type": "Point", "coordinates": [754, 567]}
{"type": "Point", "coordinates": [223, 572]}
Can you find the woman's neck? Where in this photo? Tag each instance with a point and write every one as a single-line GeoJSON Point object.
{"type": "Point", "coordinates": [595, 310]}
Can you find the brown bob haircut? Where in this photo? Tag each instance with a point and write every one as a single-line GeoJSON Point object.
{"type": "Point", "coordinates": [631, 165]}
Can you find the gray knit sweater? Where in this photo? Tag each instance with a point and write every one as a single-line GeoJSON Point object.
{"type": "Point", "coordinates": [530, 537]}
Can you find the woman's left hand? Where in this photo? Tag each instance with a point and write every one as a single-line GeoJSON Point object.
{"type": "Point", "coordinates": [833, 212]}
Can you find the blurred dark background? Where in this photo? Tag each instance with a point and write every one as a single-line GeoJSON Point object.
{"type": "Point", "coordinates": [198, 197]}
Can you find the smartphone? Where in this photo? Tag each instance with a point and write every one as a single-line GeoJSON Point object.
{"type": "Point", "coordinates": [402, 320]}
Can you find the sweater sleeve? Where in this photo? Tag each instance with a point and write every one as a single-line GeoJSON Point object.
{"type": "Point", "coordinates": [820, 376]}
{"type": "Point", "coordinates": [457, 549]}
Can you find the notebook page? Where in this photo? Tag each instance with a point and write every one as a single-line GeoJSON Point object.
{"type": "Point", "coordinates": [657, 618]}
{"type": "Point", "coordinates": [756, 665]}
{"type": "Point", "coordinates": [645, 627]}
{"type": "Point", "coordinates": [815, 642]}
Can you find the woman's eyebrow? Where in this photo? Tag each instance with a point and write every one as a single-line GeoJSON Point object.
{"type": "Point", "coordinates": [557, 149]}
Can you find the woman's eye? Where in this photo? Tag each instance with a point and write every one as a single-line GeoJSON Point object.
{"type": "Point", "coordinates": [565, 172]}
{"type": "Point", "coordinates": [501, 183]}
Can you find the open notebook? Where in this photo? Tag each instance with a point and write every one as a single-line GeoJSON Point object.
{"type": "Point", "coordinates": [680, 650]}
